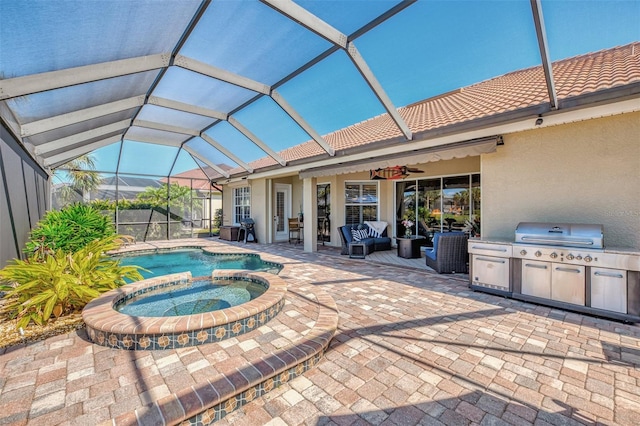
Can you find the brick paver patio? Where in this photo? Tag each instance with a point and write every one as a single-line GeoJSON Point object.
{"type": "Point", "coordinates": [412, 347]}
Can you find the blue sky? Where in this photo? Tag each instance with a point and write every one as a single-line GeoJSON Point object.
{"type": "Point", "coordinates": [428, 49]}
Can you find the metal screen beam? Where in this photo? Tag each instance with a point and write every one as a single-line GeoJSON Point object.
{"type": "Point", "coordinates": [373, 83]}
{"type": "Point", "coordinates": [35, 83]}
{"type": "Point", "coordinates": [82, 137]}
{"type": "Point", "coordinates": [536, 8]}
{"type": "Point", "coordinates": [83, 149]}
{"type": "Point", "coordinates": [153, 140]}
{"type": "Point", "coordinates": [256, 140]}
{"type": "Point", "coordinates": [166, 127]}
{"type": "Point", "coordinates": [220, 74]}
{"type": "Point", "coordinates": [207, 162]}
{"type": "Point", "coordinates": [181, 106]}
{"type": "Point", "coordinates": [308, 20]}
{"type": "Point", "coordinates": [226, 152]}
{"type": "Point", "coordinates": [51, 123]}
{"type": "Point", "coordinates": [301, 122]}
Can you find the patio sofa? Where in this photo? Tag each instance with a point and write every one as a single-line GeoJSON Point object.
{"type": "Point", "coordinates": [371, 243]}
{"type": "Point", "coordinates": [449, 253]}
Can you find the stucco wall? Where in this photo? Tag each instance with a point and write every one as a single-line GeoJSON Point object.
{"type": "Point", "coordinates": [587, 172]}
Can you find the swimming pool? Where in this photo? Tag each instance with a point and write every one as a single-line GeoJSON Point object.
{"type": "Point", "coordinates": [200, 263]}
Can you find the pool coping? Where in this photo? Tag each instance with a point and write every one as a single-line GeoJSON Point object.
{"type": "Point", "coordinates": [108, 327]}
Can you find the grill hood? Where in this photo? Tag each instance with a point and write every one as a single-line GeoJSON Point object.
{"type": "Point", "coordinates": [589, 236]}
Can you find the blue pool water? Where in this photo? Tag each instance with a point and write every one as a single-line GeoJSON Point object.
{"type": "Point", "coordinates": [195, 260]}
{"type": "Point", "coordinates": [193, 298]}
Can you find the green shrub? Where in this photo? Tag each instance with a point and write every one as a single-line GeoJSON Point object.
{"type": "Point", "coordinates": [61, 283]}
{"type": "Point", "coordinates": [69, 229]}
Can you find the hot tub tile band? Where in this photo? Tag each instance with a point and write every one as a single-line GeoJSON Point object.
{"type": "Point", "coordinates": [122, 331]}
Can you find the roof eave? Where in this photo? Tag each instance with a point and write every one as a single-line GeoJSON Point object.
{"type": "Point", "coordinates": [573, 103]}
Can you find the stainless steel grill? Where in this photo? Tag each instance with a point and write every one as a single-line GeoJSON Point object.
{"type": "Point", "coordinates": [563, 265]}
{"type": "Point", "coordinates": [586, 236]}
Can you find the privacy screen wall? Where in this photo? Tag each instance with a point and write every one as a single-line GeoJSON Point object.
{"type": "Point", "coordinates": [24, 195]}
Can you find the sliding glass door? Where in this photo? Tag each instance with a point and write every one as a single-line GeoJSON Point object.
{"type": "Point", "coordinates": [441, 204]}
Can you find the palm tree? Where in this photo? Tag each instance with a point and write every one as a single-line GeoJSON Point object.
{"type": "Point", "coordinates": [84, 178]}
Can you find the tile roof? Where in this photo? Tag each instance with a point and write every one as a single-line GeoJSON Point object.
{"type": "Point", "coordinates": [197, 178]}
{"type": "Point", "coordinates": [510, 92]}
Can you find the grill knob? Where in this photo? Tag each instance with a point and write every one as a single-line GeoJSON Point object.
{"type": "Point", "coordinates": [578, 257]}
{"type": "Point", "coordinates": [588, 258]}
{"type": "Point", "coordinates": [538, 253]}
{"type": "Point", "coordinates": [569, 256]}
{"type": "Point", "coordinates": [523, 252]}
{"type": "Point", "coordinates": [553, 255]}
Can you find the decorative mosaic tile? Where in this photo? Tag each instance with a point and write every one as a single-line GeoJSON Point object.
{"type": "Point", "coordinates": [168, 340]}
{"type": "Point", "coordinates": [220, 410]}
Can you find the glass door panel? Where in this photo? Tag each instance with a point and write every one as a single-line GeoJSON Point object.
{"type": "Point", "coordinates": [429, 207]}
{"type": "Point", "coordinates": [455, 202]}
{"type": "Point", "coordinates": [405, 207]}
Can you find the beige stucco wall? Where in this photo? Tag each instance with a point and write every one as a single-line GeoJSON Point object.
{"type": "Point", "coordinates": [586, 172]}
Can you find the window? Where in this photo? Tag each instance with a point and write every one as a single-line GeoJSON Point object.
{"type": "Point", "coordinates": [361, 202]}
{"type": "Point", "coordinates": [241, 204]}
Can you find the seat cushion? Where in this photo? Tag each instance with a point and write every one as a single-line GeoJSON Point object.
{"type": "Point", "coordinates": [430, 253]}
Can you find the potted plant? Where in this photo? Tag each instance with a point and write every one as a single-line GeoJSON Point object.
{"type": "Point", "coordinates": [407, 228]}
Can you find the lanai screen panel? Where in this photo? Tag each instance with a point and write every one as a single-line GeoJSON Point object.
{"type": "Point", "coordinates": [236, 53]}
{"type": "Point", "coordinates": [189, 87]}
{"type": "Point", "coordinates": [614, 22]}
{"type": "Point", "coordinates": [437, 47]}
{"type": "Point", "coordinates": [54, 35]}
{"type": "Point", "coordinates": [250, 39]}
{"type": "Point", "coordinates": [172, 117]}
{"type": "Point", "coordinates": [208, 153]}
{"type": "Point", "coordinates": [52, 103]}
{"type": "Point", "coordinates": [81, 127]}
{"type": "Point", "coordinates": [236, 142]}
{"type": "Point", "coordinates": [271, 124]}
{"type": "Point", "coordinates": [156, 159]}
{"type": "Point", "coordinates": [335, 88]}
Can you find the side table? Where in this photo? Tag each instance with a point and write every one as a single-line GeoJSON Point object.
{"type": "Point", "coordinates": [409, 248]}
{"type": "Point", "coordinates": [357, 250]}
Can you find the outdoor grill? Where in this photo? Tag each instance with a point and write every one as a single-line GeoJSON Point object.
{"type": "Point", "coordinates": [563, 265]}
{"type": "Point", "coordinates": [587, 236]}
{"type": "Point", "coordinates": [247, 227]}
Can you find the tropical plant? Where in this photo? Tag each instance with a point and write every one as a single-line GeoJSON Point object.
{"type": "Point", "coordinates": [83, 179]}
{"type": "Point", "coordinates": [217, 218]}
{"type": "Point", "coordinates": [69, 229]}
{"type": "Point", "coordinates": [62, 283]}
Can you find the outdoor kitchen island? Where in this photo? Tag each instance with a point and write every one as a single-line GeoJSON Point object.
{"type": "Point", "coordinates": [560, 272]}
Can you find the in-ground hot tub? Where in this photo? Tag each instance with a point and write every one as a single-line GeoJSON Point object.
{"type": "Point", "coordinates": [108, 327]}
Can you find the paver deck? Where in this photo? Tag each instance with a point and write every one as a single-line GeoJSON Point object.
{"type": "Point", "coordinates": [412, 347]}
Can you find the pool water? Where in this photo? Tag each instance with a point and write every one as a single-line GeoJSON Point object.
{"type": "Point", "coordinates": [198, 262]}
{"type": "Point", "coordinates": [196, 297]}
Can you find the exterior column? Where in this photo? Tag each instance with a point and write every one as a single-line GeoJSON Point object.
{"type": "Point", "coordinates": [310, 211]}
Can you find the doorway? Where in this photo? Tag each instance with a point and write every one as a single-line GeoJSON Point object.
{"type": "Point", "coordinates": [282, 211]}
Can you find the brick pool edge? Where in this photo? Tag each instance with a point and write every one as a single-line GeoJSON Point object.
{"type": "Point", "coordinates": [108, 327]}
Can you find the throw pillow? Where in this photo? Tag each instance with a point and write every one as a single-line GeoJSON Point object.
{"type": "Point", "coordinates": [359, 234]}
{"type": "Point", "coordinates": [373, 233]}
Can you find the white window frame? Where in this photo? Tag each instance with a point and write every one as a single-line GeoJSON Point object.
{"type": "Point", "coordinates": [241, 204]}
{"type": "Point", "coordinates": [363, 182]}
